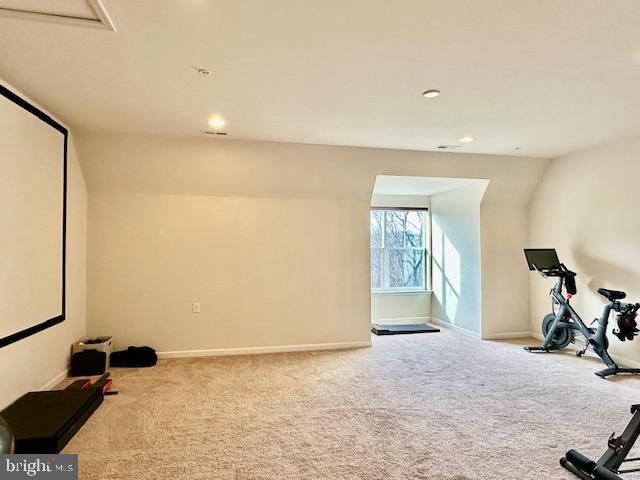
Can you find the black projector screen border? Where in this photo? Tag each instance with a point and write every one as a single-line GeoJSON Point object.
{"type": "Point", "coordinates": [21, 102]}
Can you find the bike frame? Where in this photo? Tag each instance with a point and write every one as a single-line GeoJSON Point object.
{"type": "Point", "coordinates": [566, 320]}
{"type": "Point", "coordinates": [608, 466]}
{"type": "Point", "coordinates": [565, 311]}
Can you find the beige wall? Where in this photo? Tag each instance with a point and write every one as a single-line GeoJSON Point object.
{"type": "Point", "coordinates": [457, 289]}
{"type": "Point", "coordinates": [586, 209]}
{"type": "Point", "coordinates": [43, 358]}
{"type": "Point", "coordinates": [266, 272]}
{"type": "Point", "coordinates": [166, 192]}
{"type": "Point", "coordinates": [412, 201]}
{"type": "Point", "coordinates": [505, 306]}
{"type": "Point", "coordinates": [404, 307]}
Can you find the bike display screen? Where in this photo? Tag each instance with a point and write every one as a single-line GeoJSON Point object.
{"type": "Point", "coordinates": [541, 258]}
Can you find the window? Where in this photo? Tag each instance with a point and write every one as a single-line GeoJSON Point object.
{"type": "Point", "coordinates": [398, 249]}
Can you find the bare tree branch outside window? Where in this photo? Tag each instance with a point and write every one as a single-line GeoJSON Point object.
{"type": "Point", "coordinates": [398, 249]}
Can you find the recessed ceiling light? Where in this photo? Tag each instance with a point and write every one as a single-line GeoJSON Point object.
{"type": "Point", "coordinates": [466, 139]}
{"type": "Point", "coordinates": [217, 122]}
{"type": "Point", "coordinates": [431, 93]}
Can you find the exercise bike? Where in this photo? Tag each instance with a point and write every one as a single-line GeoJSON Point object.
{"type": "Point", "coordinates": [560, 326]}
{"type": "Point", "coordinates": [608, 465]}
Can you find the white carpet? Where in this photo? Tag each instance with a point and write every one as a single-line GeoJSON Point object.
{"type": "Point", "coordinates": [429, 406]}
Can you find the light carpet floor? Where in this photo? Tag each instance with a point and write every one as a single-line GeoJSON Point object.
{"type": "Point", "coordinates": [430, 406]}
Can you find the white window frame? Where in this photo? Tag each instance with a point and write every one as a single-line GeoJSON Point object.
{"type": "Point", "coordinates": [426, 257]}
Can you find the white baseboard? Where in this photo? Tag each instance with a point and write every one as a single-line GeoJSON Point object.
{"type": "Point", "coordinates": [625, 362]}
{"type": "Point", "coordinates": [401, 321]}
{"type": "Point", "coordinates": [218, 352]}
{"type": "Point", "coordinates": [621, 361]}
{"type": "Point", "coordinates": [55, 380]}
{"type": "Point", "coordinates": [504, 336]}
{"type": "Point", "coordinates": [456, 328]}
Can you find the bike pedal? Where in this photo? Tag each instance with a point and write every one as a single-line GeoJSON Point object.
{"type": "Point", "coordinates": [580, 353]}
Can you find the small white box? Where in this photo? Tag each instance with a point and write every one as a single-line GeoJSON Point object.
{"type": "Point", "coordinates": [102, 344]}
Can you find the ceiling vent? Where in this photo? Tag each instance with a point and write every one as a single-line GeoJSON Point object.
{"type": "Point", "coordinates": [448, 147]}
{"type": "Point", "coordinates": [85, 13]}
{"type": "Point", "coordinates": [212, 133]}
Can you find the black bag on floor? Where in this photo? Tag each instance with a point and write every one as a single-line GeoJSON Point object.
{"type": "Point", "coordinates": [88, 362]}
{"type": "Point", "coordinates": [134, 357]}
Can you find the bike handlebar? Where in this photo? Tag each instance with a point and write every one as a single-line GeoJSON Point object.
{"type": "Point", "coordinates": [561, 271]}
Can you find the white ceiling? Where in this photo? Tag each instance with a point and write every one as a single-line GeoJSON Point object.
{"type": "Point", "coordinates": [550, 76]}
{"type": "Point", "coordinates": [420, 186]}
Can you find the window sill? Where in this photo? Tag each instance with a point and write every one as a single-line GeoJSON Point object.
{"type": "Point", "coordinates": [401, 292]}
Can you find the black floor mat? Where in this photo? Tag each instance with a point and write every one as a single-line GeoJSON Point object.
{"type": "Point", "coordinates": [391, 329]}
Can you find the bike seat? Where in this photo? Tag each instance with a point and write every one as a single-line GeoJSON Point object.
{"type": "Point", "coordinates": [612, 294]}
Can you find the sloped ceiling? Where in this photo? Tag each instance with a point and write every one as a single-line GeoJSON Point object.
{"type": "Point", "coordinates": [88, 13]}
{"type": "Point", "coordinates": [547, 76]}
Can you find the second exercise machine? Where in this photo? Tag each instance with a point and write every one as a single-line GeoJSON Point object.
{"type": "Point", "coordinates": [561, 326]}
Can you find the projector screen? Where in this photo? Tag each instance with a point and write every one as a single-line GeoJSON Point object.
{"type": "Point", "coordinates": [33, 176]}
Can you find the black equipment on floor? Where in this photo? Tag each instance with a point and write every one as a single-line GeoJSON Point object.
{"type": "Point", "coordinates": [134, 357]}
{"type": "Point", "coordinates": [88, 362]}
{"type": "Point", "coordinates": [104, 383]}
{"type": "Point", "coordinates": [399, 329]}
{"type": "Point", "coordinates": [82, 384]}
{"type": "Point", "coordinates": [44, 422]}
{"type": "Point", "coordinates": [608, 465]}
{"type": "Point", "coordinates": [563, 325]}
{"type": "Point", "coordinates": [6, 437]}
